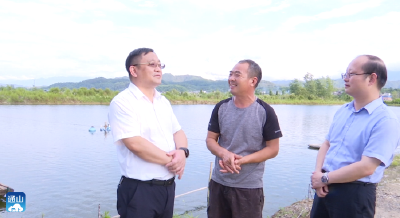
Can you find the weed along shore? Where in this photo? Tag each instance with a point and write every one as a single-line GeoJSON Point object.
{"type": "Point", "coordinates": [387, 197]}
{"type": "Point", "coordinates": [83, 96]}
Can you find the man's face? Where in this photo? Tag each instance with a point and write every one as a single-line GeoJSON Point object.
{"type": "Point", "coordinates": [147, 75]}
{"type": "Point", "coordinates": [355, 84]}
{"type": "Point", "coordinates": [239, 83]}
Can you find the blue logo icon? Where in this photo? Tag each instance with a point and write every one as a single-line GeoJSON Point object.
{"type": "Point", "coordinates": [15, 201]}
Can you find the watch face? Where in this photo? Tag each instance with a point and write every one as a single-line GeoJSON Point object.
{"type": "Point", "coordinates": [324, 179]}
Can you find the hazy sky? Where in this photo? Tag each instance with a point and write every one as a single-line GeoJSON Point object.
{"type": "Point", "coordinates": [45, 38]}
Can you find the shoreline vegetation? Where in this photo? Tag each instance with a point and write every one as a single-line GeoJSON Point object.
{"type": "Point", "coordinates": [387, 197]}
{"type": "Point", "coordinates": [92, 96]}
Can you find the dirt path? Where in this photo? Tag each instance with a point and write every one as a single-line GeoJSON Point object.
{"type": "Point", "coordinates": [387, 199]}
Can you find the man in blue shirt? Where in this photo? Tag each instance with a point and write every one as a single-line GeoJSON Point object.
{"type": "Point", "coordinates": [359, 146]}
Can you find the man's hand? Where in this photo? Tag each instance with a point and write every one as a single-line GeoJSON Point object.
{"type": "Point", "coordinates": [223, 168]}
{"type": "Point", "coordinates": [228, 162]}
{"type": "Point", "coordinates": [177, 165]}
{"type": "Point", "coordinates": [322, 192]}
{"type": "Point", "coordinates": [316, 180]}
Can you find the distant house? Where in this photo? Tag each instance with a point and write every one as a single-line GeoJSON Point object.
{"type": "Point", "coordinates": [387, 97]}
{"type": "Point", "coordinates": [337, 93]}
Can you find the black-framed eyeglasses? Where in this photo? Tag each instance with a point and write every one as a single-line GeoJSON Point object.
{"type": "Point", "coordinates": [153, 65]}
{"type": "Point", "coordinates": [348, 75]}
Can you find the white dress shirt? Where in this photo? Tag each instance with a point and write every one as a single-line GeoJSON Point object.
{"type": "Point", "coordinates": [132, 114]}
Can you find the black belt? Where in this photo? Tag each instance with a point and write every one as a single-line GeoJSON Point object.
{"type": "Point", "coordinates": [152, 182]}
{"type": "Point", "coordinates": [364, 183]}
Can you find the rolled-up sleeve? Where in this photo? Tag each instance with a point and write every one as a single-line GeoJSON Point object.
{"type": "Point", "coordinates": [124, 122]}
{"type": "Point", "coordinates": [383, 141]}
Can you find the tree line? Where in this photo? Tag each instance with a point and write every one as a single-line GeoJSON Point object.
{"type": "Point", "coordinates": [313, 89]}
{"type": "Point", "coordinates": [308, 91]}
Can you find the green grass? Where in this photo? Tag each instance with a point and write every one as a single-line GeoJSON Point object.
{"type": "Point", "coordinates": [56, 96]}
{"type": "Point", "coordinates": [21, 96]}
{"type": "Point", "coordinates": [396, 161]}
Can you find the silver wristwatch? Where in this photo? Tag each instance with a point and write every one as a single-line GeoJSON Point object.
{"type": "Point", "coordinates": [325, 178]}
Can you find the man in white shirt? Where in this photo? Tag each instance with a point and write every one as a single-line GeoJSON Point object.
{"type": "Point", "coordinates": [151, 146]}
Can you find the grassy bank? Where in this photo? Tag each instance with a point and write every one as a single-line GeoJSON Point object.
{"type": "Point", "coordinates": [81, 96]}
{"type": "Point", "coordinates": [387, 200]}
{"type": "Point", "coordinates": [64, 96]}
{"type": "Point", "coordinates": [21, 96]}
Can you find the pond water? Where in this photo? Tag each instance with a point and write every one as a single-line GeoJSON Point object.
{"type": "Point", "coordinates": [48, 153]}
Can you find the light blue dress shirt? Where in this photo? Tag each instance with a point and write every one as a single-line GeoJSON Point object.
{"type": "Point", "coordinates": [372, 131]}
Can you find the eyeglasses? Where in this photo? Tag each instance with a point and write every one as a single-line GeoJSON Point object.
{"type": "Point", "coordinates": [348, 75]}
{"type": "Point", "coordinates": [153, 65]}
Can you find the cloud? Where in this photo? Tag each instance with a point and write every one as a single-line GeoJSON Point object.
{"type": "Point", "coordinates": [346, 10]}
{"type": "Point", "coordinates": [230, 5]}
{"type": "Point", "coordinates": [279, 7]}
{"type": "Point", "coordinates": [148, 4]}
{"type": "Point", "coordinates": [288, 55]}
{"type": "Point", "coordinates": [40, 39]}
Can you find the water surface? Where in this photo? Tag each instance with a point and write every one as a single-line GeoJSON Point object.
{"type": "Point", "coordinates": [48, 153]}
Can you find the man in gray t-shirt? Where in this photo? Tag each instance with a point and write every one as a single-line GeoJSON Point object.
{"type": "Point", "coordinates": [243, 133]}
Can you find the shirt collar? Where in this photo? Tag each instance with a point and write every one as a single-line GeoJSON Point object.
{"type": "Point", "coordinates": [369, 107]}
{"type": "Point", "coordinates": [139, 94]}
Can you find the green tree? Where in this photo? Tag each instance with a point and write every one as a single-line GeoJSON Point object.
{"type": "Point", "coordinates": [344, 96]}
{"type": "Point", "coordinates": [296, 87]}
{"type": "Point", "coordinates": [217, 94]}
{"type": "Point", "coordinates": [107, 91]}
{"type": "Point", "coordinates": [54, 90]}
{"type": "Point", "coordinates": [320, 88]}
{"type": "Point", "coordinates": [258, 91]}
{"type": "Point", "coordinates": [310, 85]}
{"type": "Point", "coordinates": [67, 91]}
{"type": "Point", "coordinates": [82, 91]}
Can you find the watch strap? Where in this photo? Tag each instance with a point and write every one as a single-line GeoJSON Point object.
{"type": "Point", "coordinates": [185, 150]}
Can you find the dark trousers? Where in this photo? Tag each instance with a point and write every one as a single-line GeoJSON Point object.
{"type": "Point", "coordinates": [143, 200]}
{"type": "Point", "coordinates": [346, 200]}
{"type": "Point", "coordinates": [229, 202]}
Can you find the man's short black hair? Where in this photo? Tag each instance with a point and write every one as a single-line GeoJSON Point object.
{"type": "Point", "coordinates": [377, 66]}
{"type": "Point", "coordinates": [135, 56]}
{"type": "Point", "coordinates": [254, 70]}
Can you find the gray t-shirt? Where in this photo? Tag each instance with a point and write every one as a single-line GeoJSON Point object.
{"type": "Point", "coordinates": [243, 131]}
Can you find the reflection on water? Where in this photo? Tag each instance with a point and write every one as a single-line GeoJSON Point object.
{"type": "Point", "coordinates": [48, 153]}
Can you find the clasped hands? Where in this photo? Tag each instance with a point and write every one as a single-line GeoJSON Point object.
{"type": "Point", "coordinates": [316, 183]}
{"type": "Point", "coordinates": [177, 163]}
{"type": "Point", "coordinates": [230, 162]}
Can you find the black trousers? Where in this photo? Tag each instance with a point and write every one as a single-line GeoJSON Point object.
{"type": "Point", "coordinates": [136, 199]}
{"type": "Point", "coordinates": [346, 200]}
{"type": "Point", "coordinates": [229, 202]}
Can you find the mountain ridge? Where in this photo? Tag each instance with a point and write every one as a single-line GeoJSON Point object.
{"type": "Point", "coordinates": [182, 83]}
